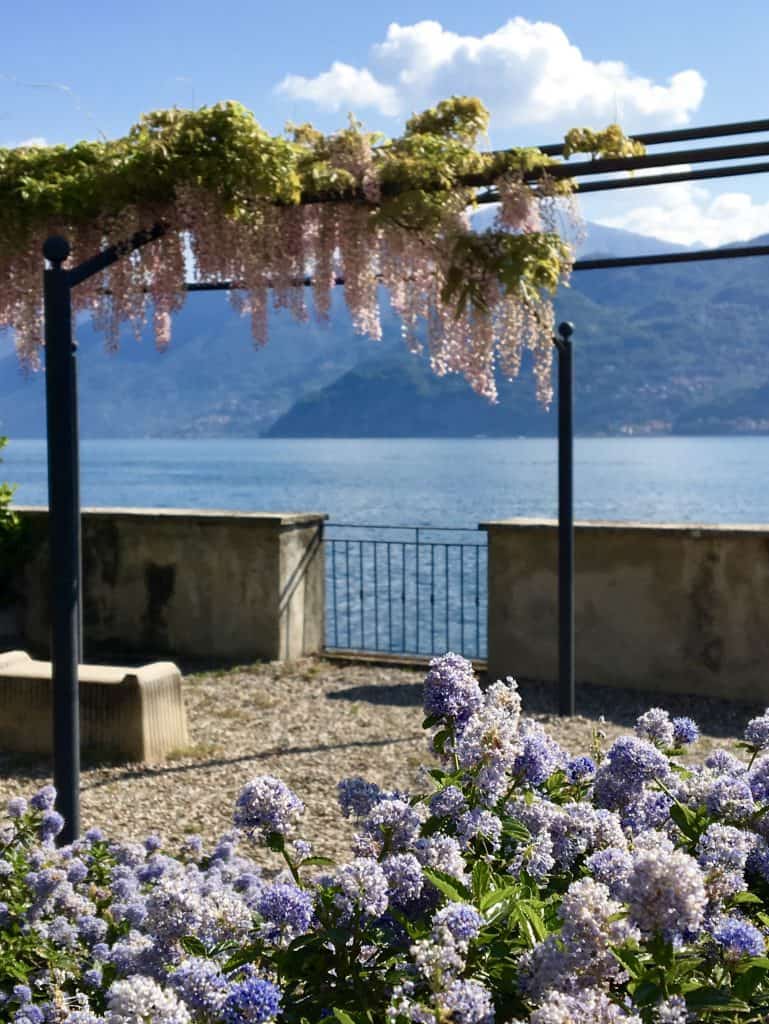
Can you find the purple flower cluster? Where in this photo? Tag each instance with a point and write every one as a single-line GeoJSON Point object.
{"type": "Point", "coordinates": [362, 889]}
{"type": "Point", "coordinates": [356, 796]}
{"type": "Point", "coordinates": [252, 1001]}
{"type": "Point", "coordinates": [267, 806]}
{"type": "Point", "coordinates": [685, 731]}
{"type": "Point", "coordinates": [580, 769]}
{"type": "Point", "coordinates": [457, 924]}
{"type": "Point", "coordinates": [738, 938]}
{"type": "Point", "coordinates": [451, 691]}
{"type": "Point", "coordinates": [540, 755]}
{"type": "Point", "coordinates": [666, 893]}
{"type": "Point", "coordinates": [287, 911]}
{"type": "Point", "coordinates": [622, 781]}
{"type": "Point", "coordinates": [405, 878]}
{"type": "Point", "coordinates": [656, 726]}
{"type": "Point", "coordinates": [757, 732]}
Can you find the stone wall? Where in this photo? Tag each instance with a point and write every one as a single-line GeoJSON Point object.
{"type": "Point", "coordinates": [674, 608]}
{"type": "Point", "coordinates": [221, 585]}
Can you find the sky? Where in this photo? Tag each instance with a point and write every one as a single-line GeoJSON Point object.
{"type": "Point", "coordinates": [88, 70]}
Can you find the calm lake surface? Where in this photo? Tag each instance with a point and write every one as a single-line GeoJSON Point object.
{"type": "Point", "coordinates": [451, 483]}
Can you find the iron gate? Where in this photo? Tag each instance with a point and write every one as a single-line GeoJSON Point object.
{"type": "Point", "coordinates": [406, 589]}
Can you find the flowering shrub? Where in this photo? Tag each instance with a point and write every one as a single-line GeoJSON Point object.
{"type": "Point", "coordinates": [263, 211]}
{"type": "Point", "coordinates": [527, 885]}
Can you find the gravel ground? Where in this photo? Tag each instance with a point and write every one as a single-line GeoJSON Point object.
{"type": "Point", "coordinates": [311, 723]}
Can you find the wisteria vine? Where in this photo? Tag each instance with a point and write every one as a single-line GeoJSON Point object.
{"type": "Point", "coordinates": [240, 205]}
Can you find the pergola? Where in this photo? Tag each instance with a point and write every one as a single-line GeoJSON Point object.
{"type": "Point", "coordinates": [596, 175]}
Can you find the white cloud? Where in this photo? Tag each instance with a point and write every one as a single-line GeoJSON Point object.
{"type": "Point", "coordinates": [690, 214]}
{"type": "Point", "coordinates": [526, 73]}
{"type": "Point", "coordinates": [36, 140]}
{"type": "Point", "coordinates": [343, 86]}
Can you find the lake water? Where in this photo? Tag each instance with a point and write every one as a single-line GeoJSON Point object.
{"type": "Point", "coordinates": [451, 483]}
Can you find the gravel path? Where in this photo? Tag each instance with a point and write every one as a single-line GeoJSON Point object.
{"type": "Point", "coordinates": [312, 723]}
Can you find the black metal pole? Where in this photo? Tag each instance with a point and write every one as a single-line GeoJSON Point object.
{"type": "Point", "coordinates": [566, 690]}
{"type": "Point", "coordinates": [64, 520]}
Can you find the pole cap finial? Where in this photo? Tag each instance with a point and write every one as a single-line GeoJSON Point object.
{"type": "Point", "coordinates": [56, 249]}
{"type": "Point", "coordinates": [566, 329]}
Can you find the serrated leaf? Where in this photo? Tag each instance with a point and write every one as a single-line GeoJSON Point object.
{"type": "Point", "coordinates": [630, 961]}
{"type": "Point", "coordinates": [747, 897]}
{"type": "Point", "coordinates": [513, 829]}
{"type": "Point", "coordinates": [497, 896]}
{"type": "Point", "coordinates": [275, 842]}
{"type": "Point", "coordinates": [192, 945]}
{"type": "Point", "coordinates": [714, 998]}
{"type": "Point", "coordinates": [685, 818]}
{"type": "Point", "coordinates": [647, 992]}
{"type": "Point", "coordinates": [343, 1017]}
{"type": "Point", "coordinates": [534, 918]}
{"type": "Point", "coordinates": [448, 885]}
{"type": "Point", "coordinates": [481, 878]}
{"type": "Point", "coordinates": [439, 740]}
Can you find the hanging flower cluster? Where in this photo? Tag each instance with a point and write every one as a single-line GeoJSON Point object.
{"type": "Point", "coordinates": [267, 213]}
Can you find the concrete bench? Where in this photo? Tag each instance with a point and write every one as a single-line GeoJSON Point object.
{"type": "Point", "coordinates": [126, 714]}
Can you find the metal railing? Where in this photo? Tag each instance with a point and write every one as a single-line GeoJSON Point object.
{"type": "Point", "coordinates": [406, 589]}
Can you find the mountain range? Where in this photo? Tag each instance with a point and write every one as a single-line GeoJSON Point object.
{"type": "Point", "coordinates": [678, 348]}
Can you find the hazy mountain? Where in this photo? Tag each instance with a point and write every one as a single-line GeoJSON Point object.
{"type": "Point", "coordinates": [210, 381]}
{"type": "Point", "coordinates": [678, 348]}
{"type": "Point", "coordinates": [598, 239]}
{"type": "Point", "coordinates": [654, 345]}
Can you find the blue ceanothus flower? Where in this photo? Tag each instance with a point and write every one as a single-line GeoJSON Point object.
{"type": "Point", "coordinates": [451, 691]}
{"type": "Point", "coordinates": [757, 732]}
{"type": "Point", "coordinates": [267, 806]}
{"type": "Point", "coordinates": [737, 937]}
{"type": "Point", "coordinates": [252, 1001]}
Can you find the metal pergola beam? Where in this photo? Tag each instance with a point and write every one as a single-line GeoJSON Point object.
{"type": "Point", "coordinates": [711, 131]}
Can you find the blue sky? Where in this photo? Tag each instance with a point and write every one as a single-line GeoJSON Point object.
{"type": "Point", "coordinates": [78, 70]}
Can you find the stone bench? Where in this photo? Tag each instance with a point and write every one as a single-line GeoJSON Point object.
{"type": "Point", "coordinates": [126, 714]}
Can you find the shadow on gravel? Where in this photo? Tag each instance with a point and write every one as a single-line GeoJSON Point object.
{"type": "Point", "coordinates": [619, 706]}
{"type": "Point", "coordinates": [715, 717]}
{"type": "Point", "coordinates": [399, 694]}
{"type": "Point", "coordinates": [151, 771]}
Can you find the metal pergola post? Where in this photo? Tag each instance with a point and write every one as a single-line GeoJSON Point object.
{"type": "Point", "coordinates": [566, 688]}
{"type": "Point", "coordinates": [64, 533]}
{"type": "Point", "coordinates": [64, 511]}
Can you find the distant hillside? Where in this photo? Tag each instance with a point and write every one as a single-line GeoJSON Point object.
{"type": "Point", "coordinates": [211, 381]}
{"type": "Point", "coordinates": [658, 350]}
{"type": "Point", "coordinates": [673, 348]}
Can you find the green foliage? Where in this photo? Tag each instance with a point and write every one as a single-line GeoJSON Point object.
{"type": "Point", "coordinates": [6, 493]}
{"type": "Point", "coordinates": [526, 264]}
{"type": "Point", "coordinates": [221, 149]}
{"type": "Point", "coordinates": [12, 537]}
{"type": "Point", "coordinates": [463, 118]}
{"type": "Point", "coordinates": [611, 142]}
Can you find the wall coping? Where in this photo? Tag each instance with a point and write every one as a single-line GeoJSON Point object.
{"type": "Point", "coordinates": [694, 529]}
{"type": "Point", "coordinates": [207, 515]}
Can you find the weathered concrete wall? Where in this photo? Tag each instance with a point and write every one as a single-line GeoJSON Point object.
{"type": "Point", "coordinates": [672, 608]}
{"type": "Point", "coordinates": [228, 585]}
